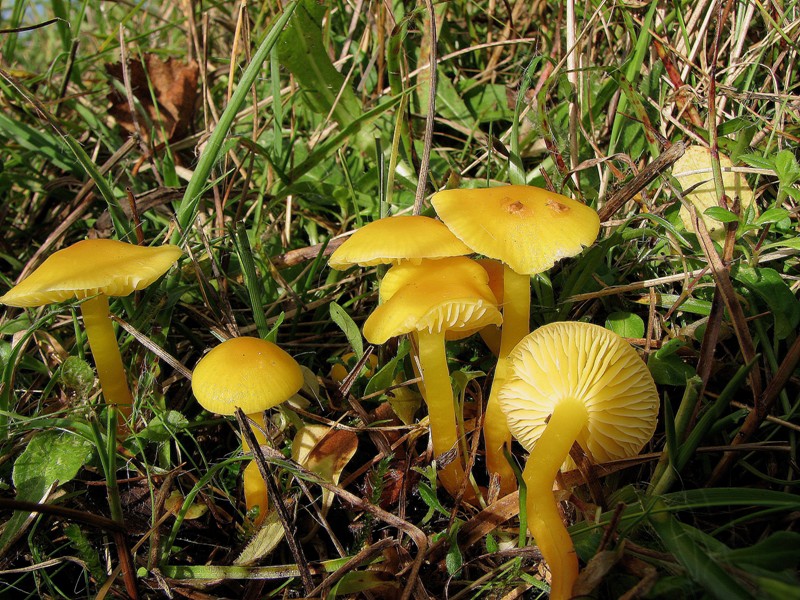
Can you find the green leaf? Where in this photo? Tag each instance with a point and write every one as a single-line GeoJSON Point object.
{"type": "Point", "coordinates": [449, 102]}
{"type": "Point", "coordinates": [162, 428]}
{"type": "Point", "coordinates": [772, 215]}
{"type": "Point", "coordinates": [77, 375]}
{"type": "Point", "coordinates": [385, 376]}
{"type": "Point", "coordinates": [793, 243]}
{"type": "Point", "coordinates": [757, 161]}
{"type": "Point", "coordinates": [670, 347]}
{"type": "Point", "coordinates": [50, 457]}
{"type": "Point", "coordinates": [429, 497]}
{"type": "Point", "coordinates": [768, 285]}
{"type": "Point", "coordinates": [720, 214]}
{"type": "Point", "coordinates": [488, 102]}
{"type": "Point", "coordinates": [349, 327]}
{"type": "Point", "coordinates": [700, 567]}
{"type": "Point", "coordinates": [37, 141]}
{"type": "Point", "coordinates": [779, 551]}
{"type": "Point", "coordinates": [625, 324]}
{"type": "Point", "coordinates": [302, 51]}
{"type": "Point", "coordinates": [354, 583]}
{"type": "Point", "coordinates": [732, 126]}
{"type": "Point", "coordinates": [786, 167]}
{"type": "Point", "coordinates": [669, 370]}
{"type": "Point", "coordinates": [453, 559]}
{"type": "Point", "coordinates": [779, 590]}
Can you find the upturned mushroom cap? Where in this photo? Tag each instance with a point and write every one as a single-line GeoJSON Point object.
{"type": "Point", "coordinates": [92, 267]}
{"type": "Point", "coordinates": [247, 373]}
{"type": "Point", "coordinates": [443, 299]}
{"type": "Point", "coordinates": [527, 228]}
{"type": "Point", "coordinates": [588, 363]}
{"type": "Point", "coordinates": [389, 241]}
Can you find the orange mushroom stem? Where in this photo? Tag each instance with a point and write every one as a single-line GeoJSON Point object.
{"type": "Point", "coordinates": [516, 324]}
{"type": "Point", "coordinates": [441, 408]}
{"type": "Point", "coordinates": [528, 229]}
{"type": "Point", "coordinates": [428, 301]}
{"type": "Point", "coordinates": [544, 518]}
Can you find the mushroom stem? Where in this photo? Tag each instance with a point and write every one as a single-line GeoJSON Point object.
{"type": "Point", "coordinates": [516, 323]}
{"type": "Point", "coordinates": [258, 426]}
{"type": "Point", "coordinates": [441, 410]}
{"type": "Point", "coordinates": [255, 488]}
{"type": "Point", "coordinates": [107, 358]}
{"type": "Point", "coordinates": [255, 492]}
{"type": "Point", "coordinates": [544, 520]}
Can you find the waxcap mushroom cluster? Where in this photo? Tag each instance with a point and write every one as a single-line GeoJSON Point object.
{"type": "Point", "coordinates": [565, 383]}
{"type": "Point", "coordinates": [524, 229]}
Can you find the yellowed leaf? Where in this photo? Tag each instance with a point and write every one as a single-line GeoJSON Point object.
{"type": "Point", "coordinates": [264, 541]}
{"type": "Point", "coordinates": [404, 402]}
{"type": "Point", "coordinates": [326, 452]}
{"type": "Point", "coordinates": [174, 502]}
{"type": "Point", "coordinates": [694, 168]}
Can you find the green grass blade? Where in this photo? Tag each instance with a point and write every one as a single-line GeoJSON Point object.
{"type": "Point", "coordinates": [187, 210]}
{"type": "Point", "coordinates": [698, 564]}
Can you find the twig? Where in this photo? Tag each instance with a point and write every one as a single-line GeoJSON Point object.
{"type": "Point", "coordinates": [428, 139]}
{"type": "Point", "coordinates": [116, 529]}
{"type": "Point", "coordinates": [638, 183]}
{"type": "Point", "coordinates": [722, 277]}
{"type": "Point", "coordinates": [760, 410]}
{"type": "Point", "coordinates": [363, 556]}
{"type": "Point", "coordinates": [275, 497]}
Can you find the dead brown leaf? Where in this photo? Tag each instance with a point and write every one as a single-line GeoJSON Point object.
{"type": "Point", "coordinates": [171, 105]}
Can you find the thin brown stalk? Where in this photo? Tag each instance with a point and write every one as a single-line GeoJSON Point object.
{"type": "Point", "coordinates": [276, 498]}
{"type": "Point", "coordinates": [427, 140]}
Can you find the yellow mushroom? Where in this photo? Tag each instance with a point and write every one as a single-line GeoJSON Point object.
{"type": "Point", "coordinates": [254, 375]}
{"type": "Point", "coordinates": [437, 296]}
{"type": "Point", "coordinates": [93, 270]}
{"type": "Point", "coordinates": [397, 239]}
{"type": "Point", "coordinates": [566, 383]}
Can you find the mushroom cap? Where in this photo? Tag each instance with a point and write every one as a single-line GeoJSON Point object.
{"type": "Point", "coordinates": [449, 268]}
{"type": "Point", "coordinates": [441, 295]}
{"type": "Point", "coordinates": [389, 241]}
{"type": "Point", "coordinates": [593, 365]}
{"type": "Point", "coordinates": [247, 373]}
{"type": "Point", "coordinates": [92, 267]}
{"type": "Point", "coordinates": [527, 228]}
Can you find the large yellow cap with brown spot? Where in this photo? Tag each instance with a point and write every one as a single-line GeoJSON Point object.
{"type": "Point", "coordinates": [397, 239]}
{"type": "Point", "coordinates": [526, 227]}
{"type": "Point", "coordinates": [92, 267]}
{"type": "Point", "coordinates": [247, 373]}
